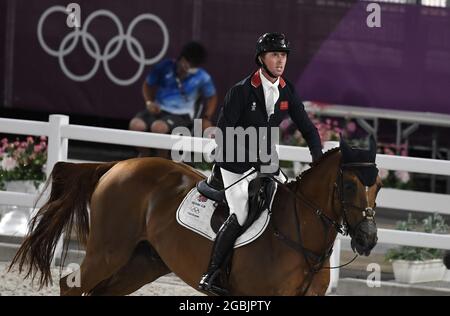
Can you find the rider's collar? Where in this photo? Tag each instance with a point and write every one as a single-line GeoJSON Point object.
{"type": "Point", "coordinates": [266, 82]}
{"type": "Point", "coordinates": [256, 80]}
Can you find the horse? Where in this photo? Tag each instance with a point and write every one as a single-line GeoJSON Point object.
{"type": "Point", "coordinates": [123, 214]}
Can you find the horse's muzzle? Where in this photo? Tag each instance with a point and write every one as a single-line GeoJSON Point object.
{"type": "Point", "coordinates": [364, 238]}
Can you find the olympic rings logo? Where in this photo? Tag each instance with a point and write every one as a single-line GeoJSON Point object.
{"type": "Point", "coordinates": [134, 48]}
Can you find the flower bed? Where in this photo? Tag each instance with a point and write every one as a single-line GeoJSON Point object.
{"type": "Point", "coordinates": [23, 160]}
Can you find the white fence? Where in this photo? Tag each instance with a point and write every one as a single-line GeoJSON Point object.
{"type": "Point", "coordinates": [59, 131]}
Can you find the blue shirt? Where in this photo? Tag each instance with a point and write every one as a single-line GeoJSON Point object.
{"type": "Point", "coordinates": [180, 98]}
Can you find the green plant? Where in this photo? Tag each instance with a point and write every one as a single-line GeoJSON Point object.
{"type": "Point", "coordinates": [23, 160]}
{"type": "Point", "coordinates": [202, 165]}
{"type": "Point", "coordinates": [434, 224]}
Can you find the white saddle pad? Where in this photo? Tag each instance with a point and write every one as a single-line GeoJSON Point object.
{"type": "Point", "coordinates": [195, 213]}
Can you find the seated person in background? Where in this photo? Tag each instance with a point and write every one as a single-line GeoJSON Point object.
{"type": "Point", "coordinates": [171, 91]}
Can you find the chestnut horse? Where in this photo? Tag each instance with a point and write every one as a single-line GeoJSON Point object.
{"type": "Point", "coordinates": [131, 235]}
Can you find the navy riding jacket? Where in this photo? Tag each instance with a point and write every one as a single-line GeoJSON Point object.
{"type": "Point", "coordinates": [244, 106]}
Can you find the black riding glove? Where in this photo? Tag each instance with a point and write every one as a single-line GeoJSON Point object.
{"type": "Point", "coordinates": [316, 155]}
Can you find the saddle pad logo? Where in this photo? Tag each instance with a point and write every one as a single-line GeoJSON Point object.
{"type": "Point", "coordinates": [202, 198]}
{"type": "Point", "coordinates": [200, 204]}
{"type": "Point", "coordinates": [195, 212]}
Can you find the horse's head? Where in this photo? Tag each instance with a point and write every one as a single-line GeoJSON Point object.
{"type": "Point", "coordinates": [358, 184]}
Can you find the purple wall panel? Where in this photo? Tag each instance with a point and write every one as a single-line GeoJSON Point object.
{"type": "Point", "coordinates": [336, 58]}
{"type": "Point", "coordinates": [403, 65]}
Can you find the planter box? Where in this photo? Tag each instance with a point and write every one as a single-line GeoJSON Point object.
{"type": "Point", "coordinates": [24, 186]}
{"type": "Point", "coordinates": [446, 277]}
{"type": "Point", "coordinates": [418, 271]}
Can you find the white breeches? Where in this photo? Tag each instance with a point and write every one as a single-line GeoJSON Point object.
{"type": "Point", "coordinates": [237, 195]}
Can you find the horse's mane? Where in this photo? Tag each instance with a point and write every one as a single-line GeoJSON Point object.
{"type": "Point", "coordinates": [314, 164]}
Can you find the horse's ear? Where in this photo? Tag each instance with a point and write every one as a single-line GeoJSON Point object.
{"type": "Point", "coordinates": [372, 147]}
{"type": "Point", "coordinates": [345, 148]}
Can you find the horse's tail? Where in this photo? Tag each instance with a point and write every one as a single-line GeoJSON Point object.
{"type": "Point", "coordinates": [71, 188]}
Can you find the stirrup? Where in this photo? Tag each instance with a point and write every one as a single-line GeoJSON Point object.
{"type": "Point", "coordinates": [207, 280]}
{"type": "Point", "coordinates": [207, 284]}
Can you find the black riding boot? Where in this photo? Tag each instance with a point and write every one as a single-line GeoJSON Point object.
{"type": "Point", "coordinates": [223, 243]}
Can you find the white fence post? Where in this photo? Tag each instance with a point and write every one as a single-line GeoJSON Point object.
{"type": "Point", "coordinates": [57, 151]}
{"type": "Point", "coordinates": [335, 261]}
{"type": "Point", "coordinates": [57, 147]}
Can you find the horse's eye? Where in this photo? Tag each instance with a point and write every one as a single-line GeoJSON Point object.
{"type": "Point", "coordinates": [350, 187]}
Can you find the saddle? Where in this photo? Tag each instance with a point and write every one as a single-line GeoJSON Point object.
{"type": "Point", "coordinates": [260, 192]}
{"type": "Point", "coordinates": [212, 188]}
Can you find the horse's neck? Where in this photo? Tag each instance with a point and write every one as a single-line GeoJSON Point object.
{"type": "Point", "coordinates": [317, 186]}
{"type": "Point", "coordinates": [318, 183]}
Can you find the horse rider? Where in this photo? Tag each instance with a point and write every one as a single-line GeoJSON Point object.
{"type": "Point", "coordinates": [261, 101]}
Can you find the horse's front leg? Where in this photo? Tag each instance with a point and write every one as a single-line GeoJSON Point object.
{"type": "Point", "coordinates": [320, 282]}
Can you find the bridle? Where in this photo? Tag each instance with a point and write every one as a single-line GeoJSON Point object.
{"type": "Point", "coordinates": [368, 213]}
{"type": "Point", "coordinates": [345, 228]}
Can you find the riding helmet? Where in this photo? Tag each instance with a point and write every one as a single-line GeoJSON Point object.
{"type": "Point", "coordinates": [271, 42]}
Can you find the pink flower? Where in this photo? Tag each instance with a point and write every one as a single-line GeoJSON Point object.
{"type": "Point", "coordinates": [43, 138]}
{"type": "Point", "coordinates": [23, 145]}
{"type": "Point", "coordinates": [388, 151]}
{"type": "Point", "coordinates": [404, 152]}
{"type": "Point", "coordinates": [4, 141]}
{"type": "Point", "coordinates": [37, 148]}
{"type": "Point", "coordinates": [8, 163]}
{"type": "Point", "coordinates": [30, 140]}
{"type": "Point", "coordinates": [285, 124]}
{"type": "Point", "coordinates": [337, 130]}
{"type": "Point", "coordinates": [383, 173]}
{"type": "Point", "coordinates": [403, 176]}
{"type": "Point", "coordinates": [351, 127]}
{"type": "Point", "coordinates": [16, 144]}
